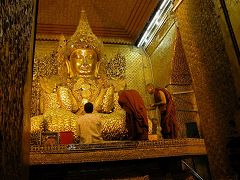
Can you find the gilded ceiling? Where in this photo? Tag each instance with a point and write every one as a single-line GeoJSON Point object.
{"type": "Point", "coordinates": [114, 21]}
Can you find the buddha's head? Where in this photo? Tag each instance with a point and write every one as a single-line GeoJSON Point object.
{"type": "Point", "coordinates": [83, 62]}
{"type": "Point", "coordinates": [83, 50]}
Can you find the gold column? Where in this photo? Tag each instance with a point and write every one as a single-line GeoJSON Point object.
{"type": "Point", "coordinates": [15, 86]}
{"type": "Point", "coordinates": [212, 79]}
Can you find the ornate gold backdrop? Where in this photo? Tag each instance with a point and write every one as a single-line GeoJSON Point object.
{"type": "Point", "coordinates": [138, 68]}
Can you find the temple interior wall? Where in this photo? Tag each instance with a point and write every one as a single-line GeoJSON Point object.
{"type": "Point", "coordinates": [233, 8]}
{"type": "Point", "coordinates": [161, 51]}
{"type": "Point", "coordinates": [170, 70]}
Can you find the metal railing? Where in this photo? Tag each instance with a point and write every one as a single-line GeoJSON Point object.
{"type": "Point", "coordinates": [175, 84]}
{"type": "Point", "coordinates": [192, 171]}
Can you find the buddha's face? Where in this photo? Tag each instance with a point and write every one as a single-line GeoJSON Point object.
{"type": "Point", "coordinates": [83, 61]}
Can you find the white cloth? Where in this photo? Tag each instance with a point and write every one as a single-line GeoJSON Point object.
{"type": "Point", "coordinates": [89, 128]}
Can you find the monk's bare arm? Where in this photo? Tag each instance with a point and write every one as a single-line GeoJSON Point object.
{"type": "Point", "coordinates": [163, 100]}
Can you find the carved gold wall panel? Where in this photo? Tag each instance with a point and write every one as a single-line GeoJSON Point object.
{"type": "Point", "coordinates": [138, 68]}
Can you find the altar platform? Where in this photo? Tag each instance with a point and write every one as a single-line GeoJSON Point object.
{"type": "Point", "coordinates": [115, 151]}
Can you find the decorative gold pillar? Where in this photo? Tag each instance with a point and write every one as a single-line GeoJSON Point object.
{"type": "Point", "coordinates": [16, 52]}
{"type": "Point", "coordinates": [212, 79]}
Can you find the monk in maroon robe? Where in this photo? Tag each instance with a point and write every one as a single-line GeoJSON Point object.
{"type": "Point", "coordinates": [164, 102]}
{"type": "Point", "coordinates": [136, 114]}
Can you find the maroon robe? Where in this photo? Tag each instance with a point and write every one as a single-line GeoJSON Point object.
{"type": "Point", "coordinates": [136, 114]}
{"type": "Point", "coordinates": [168, 117]}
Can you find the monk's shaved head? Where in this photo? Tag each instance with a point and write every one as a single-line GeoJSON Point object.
{"type": "Point", "coordinates": [150, 88]}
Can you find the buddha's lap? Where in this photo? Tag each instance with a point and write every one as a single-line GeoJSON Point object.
{"type": "Point", "coordinates": [61, 120]}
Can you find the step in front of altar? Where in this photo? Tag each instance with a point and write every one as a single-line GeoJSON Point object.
{"type": "Point", "coordinates": [115, 151]}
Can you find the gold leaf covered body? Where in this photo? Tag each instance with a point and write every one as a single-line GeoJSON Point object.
{"type": "Point", "coordinates": [108, 100]}
{"type": "Point", "coordinates": [49, 101]}
{"type": "Point", "coordinates": [66, 98]}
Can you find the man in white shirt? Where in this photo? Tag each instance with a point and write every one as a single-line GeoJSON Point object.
{"type": "Point", "coordinates": [89, 127]}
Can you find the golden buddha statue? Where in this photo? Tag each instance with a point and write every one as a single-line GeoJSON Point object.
{"type": "Point", "coordinates": [78, 80]}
